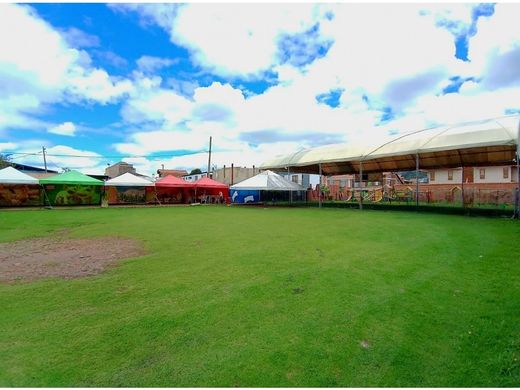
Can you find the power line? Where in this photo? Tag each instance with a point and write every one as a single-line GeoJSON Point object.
{"type": "Point", "coordinates": [101, 156]}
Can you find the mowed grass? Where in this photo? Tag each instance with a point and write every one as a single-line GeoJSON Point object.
{"type": "Point", "coordinates": [231, 296]}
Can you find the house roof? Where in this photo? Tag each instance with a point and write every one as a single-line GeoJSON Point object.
{"type": "Point", "coordinates": [23, 167]}
{"type": "Point", "coordinates": [173, 172]}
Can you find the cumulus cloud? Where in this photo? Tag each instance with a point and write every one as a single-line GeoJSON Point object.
{"type": "Point", "coordinates": [150, 64]}
{"type": "Point", "coordinates": [40, 68]}
{"type": "Point", "coordinates": [78, 38]}
{"type": "Point", "coordinates": [66, 128]}
{"type": "Point", "coordinates": [237, 39]}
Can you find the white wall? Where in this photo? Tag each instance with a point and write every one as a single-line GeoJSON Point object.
{"type": "Point", "coordinates": [493, 175]}
{"type": "Point", "coordinates": [441, 176]}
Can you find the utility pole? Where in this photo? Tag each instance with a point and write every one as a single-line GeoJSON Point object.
{"type": "Point", "coordinates": [209, 157]}
{"type": "Point", "coordinates": [44, 159]}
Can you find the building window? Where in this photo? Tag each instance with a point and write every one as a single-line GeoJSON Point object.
{"type": "Point", "coordinates": [482, 173]}
{"type": "Point", "coordinates": [505, 172]}
{"type": "Point", "coordinates": [450, 174]}
{"type": "Point", "coordinates": [294, 178]}
{"type": "Point", "coordinates": [432, 175]}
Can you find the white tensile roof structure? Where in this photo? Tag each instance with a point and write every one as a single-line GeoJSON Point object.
{"type": "Point", "coordinates": [129, 180]}
{"type": "Point", "coordinates": [11, 175]}
{"type": "Point", "coordinates": [483, 143]}
{"type": "Point", "coordinates": [267, 181]}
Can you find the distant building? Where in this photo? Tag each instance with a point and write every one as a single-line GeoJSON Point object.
{"type": "Point", "coordinates": [37, 173]}
{"type": "Point", "coordinates": [118, 169]}
{"type": "Point", "coordinates": [477, 175]}
{"type": "Point", "coordinates": [306, 180]}
{"type": "Point", "coordinates": [194, 177]}
{"type": "Point", "coordinates": [172, 172]}
{"type": "Point", "coordinates": [233, 175]}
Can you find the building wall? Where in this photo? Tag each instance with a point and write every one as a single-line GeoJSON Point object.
{"type": "Point", "coordinates": [118, 169]}
{"type": "Point", "coordinates": [492, 175]}
{"type": "Point", "coordinates": [442, 176]}
{"type": "Point", "coordinates": [223, 175]}
{"type": "Point", "coordinates": [303, 179]}
{"type": "Point", "coordinates": [192, 178]}
{"type": "Point", "coordinates": [172, 172]}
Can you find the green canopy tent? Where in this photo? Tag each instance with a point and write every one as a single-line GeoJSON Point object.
{"type": "Point", "coordinates": [72, 188]}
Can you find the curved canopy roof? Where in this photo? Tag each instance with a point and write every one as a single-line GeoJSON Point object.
{"type": "Point", "coordinates": [486, 142]}
{"type": "Point", "coordinates": [173, 181]}
{"type": "Point", "coordinates": [10, 175]}
{"type": "Point", "coordinates": [129, 180]}
{"type": "Point", "coordinates": [267, 181]}
{"type": "Point", "coordinates": [72, 177]}
{"type": "Point", "coordinates": [206, 182]}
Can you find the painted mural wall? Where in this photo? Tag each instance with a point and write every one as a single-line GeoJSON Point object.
{"type": "Point", "coordinates": [72, 194]}
{"type": "Point", "coordinates": [19, 195]}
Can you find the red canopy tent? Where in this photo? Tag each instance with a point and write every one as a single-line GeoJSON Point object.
{"type": "Point", "coordinates": [211, 191]}
{"type": "Point", "coordinates": [172, 189]}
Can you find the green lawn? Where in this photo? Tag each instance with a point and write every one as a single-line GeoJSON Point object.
{"type": "Point", "coordinates": [270, 297]}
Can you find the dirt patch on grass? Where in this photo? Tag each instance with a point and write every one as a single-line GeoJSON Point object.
{"type": "Point", "coordinates": [38, 258]}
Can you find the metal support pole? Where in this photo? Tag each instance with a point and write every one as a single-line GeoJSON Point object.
{"type": "Point", "coordinates": [462, 188]}
{"type": "Point", "coordinates": [361, 185]}
{"type": "Point", "coordinates": [319, 187]}
{"type": "Point", "coordinates": [417, 180]}
{"type": "Point", "coordinates": [44, 158]}
{"type": "Point", "coordinates": [209, 158]}
{"type": "Point", "coordinates": [517, 198]}
{"type": "Point", "coordinates": [289, 178]}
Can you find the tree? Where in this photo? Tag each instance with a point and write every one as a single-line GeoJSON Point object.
{"type": "Point", "coordinates": [195, 171]}
{"type": "Point", "coordinates": [5, 160]}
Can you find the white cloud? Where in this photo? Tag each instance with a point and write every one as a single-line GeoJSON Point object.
{"type": "Point", "coordinates": [39, 68]}
{"type": "Point", "coordinates": [150, 64]}
{"type": "Point", "coordinates": [7, 146]}
{"type": "Point", "coordinates": [66, 128]}
{"type": "Point", "coordinates": [78, 38]}
{"type": "Point", "coordinates": [235, 39]}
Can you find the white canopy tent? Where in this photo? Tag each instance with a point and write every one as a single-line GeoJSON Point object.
{"type": "Point", "coordinates": [11, 175]}
{"type": "Point", "coordinates": [129, 180]}
{"type": "Point", "coordinates": [482, 143]}
{"type": "Point", "coordinates": [267, 181]}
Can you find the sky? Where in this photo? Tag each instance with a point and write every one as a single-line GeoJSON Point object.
{"type": "Point", "coordinates": [150, 83]}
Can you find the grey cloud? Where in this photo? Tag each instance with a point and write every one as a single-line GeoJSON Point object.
{"type": "Point", "coordinates": [111, 58]}
{"type": "Point", "coordinates": [78, 38]}
{"type": "Point", "coordinates": [150, 64]}
{"type": "Point", "coordinates": [271, 136]}
{"type": "Point", "coordinates": [399, 93]}
{"type": "Point", "coordinates": [503, 70]}
{"type": "Point", "coordinates": [212, 113]}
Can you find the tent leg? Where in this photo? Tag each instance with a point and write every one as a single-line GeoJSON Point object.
{"type": "Point", "coordinates": [361, 185]}
{"type": "Point", "coordinates": [156, 196]}
{"type": "Point", "coordinates": [517, 195]}
{"type": "Point", "coordinates": [417, 180]}
{"type": "Point", "coordinates": [46, 198]}
{"type": "Point", "coordinates": [319, 192]}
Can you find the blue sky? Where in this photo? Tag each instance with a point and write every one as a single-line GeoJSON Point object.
{"type": "Point", "coordinates": [149, 83]}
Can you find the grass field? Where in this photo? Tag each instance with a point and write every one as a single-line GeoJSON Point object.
{"type": "Point", "coordinates": [270, 297]}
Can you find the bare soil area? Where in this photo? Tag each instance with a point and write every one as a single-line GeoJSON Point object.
{"type": "Point", "coordinates": [38, 258]}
